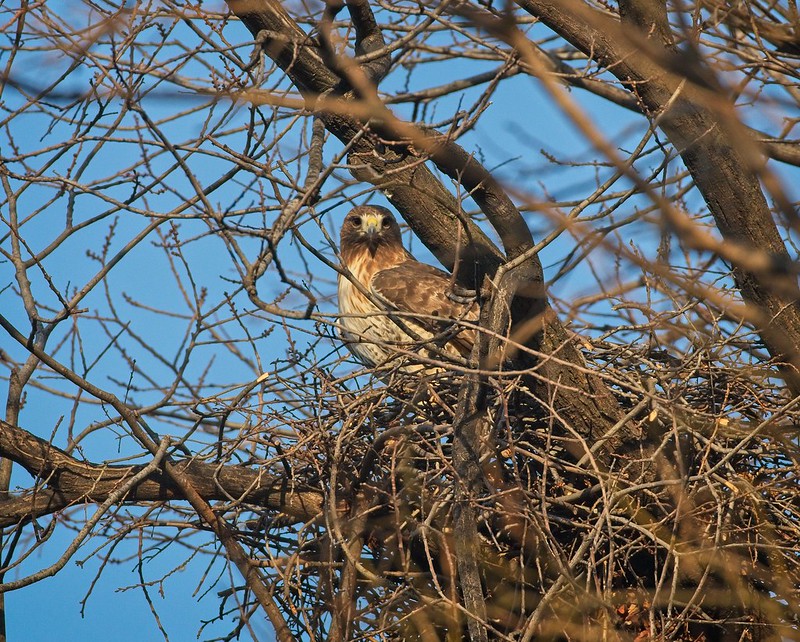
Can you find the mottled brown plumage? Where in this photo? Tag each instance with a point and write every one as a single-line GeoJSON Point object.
{"type": "Point", "coordinates": [393, 283]}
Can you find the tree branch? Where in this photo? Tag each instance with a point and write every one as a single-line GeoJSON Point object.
{"type": "Point", "coordinates": [70, 481]}
{"type": "Point", "coordinates": [720, 154]}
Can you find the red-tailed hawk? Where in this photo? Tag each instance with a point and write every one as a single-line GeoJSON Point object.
{"type": "Point", "coordinates": [402, 306]}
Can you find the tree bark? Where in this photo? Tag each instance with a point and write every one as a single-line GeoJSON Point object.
{"type": "Point", "coordinates": [68, 481]}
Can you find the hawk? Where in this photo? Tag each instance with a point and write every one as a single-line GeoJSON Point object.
{"type": "Point", "coordinates": [390, 304]}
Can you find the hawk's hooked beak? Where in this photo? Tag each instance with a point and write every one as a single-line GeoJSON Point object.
{"type": "Point", "coordinates": [371, 226]}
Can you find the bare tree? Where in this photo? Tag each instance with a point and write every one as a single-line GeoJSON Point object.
{"type": "Point", "coordinates": [617, 459]}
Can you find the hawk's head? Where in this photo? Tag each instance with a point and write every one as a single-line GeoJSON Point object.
{"type": "Point", "coordinates": [370, 227]}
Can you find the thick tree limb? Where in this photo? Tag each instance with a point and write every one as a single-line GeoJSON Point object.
{"type": "Point", "coordinates": [68, 481]}
{"type": "Point", "coordinates": [369, 39]}
{"type": "Point", "coordinates": [468, 449]}
{"type": "Point", "coordinates": [722, 157]}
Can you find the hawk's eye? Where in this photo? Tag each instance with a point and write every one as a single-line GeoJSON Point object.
{"type": "Point", "coordinates": [356, 221]}
{"type": "Point", "coordinates": [386, 222]}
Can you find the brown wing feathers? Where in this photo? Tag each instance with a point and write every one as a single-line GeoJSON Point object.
{"type": "Point", "coordinates": [372, 250]}
{"type": "Point", "coordinates": [421, 289]}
